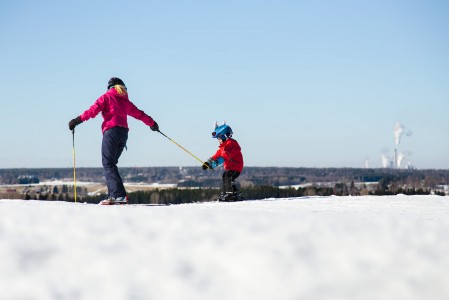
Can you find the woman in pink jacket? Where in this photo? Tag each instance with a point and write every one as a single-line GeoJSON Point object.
{"type": "Point", "coordinates": [115, 107]}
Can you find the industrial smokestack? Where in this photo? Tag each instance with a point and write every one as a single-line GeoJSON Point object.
{"type": "Point", "coordinates": [398, 132]}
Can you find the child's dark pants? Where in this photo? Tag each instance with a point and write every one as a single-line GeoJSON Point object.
{"type": "Point", "coordinates": [229, 181]}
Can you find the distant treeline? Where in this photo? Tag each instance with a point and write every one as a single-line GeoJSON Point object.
{"type": "Point", "coordinates": [179, 196]}
{"type": "Point", "coordinates": [251, 176]}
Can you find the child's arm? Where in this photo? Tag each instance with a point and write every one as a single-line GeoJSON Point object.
{"type": "Point", "coordinates": [213, 163]}
{"type": "Point", "coordinates": [218, 162]}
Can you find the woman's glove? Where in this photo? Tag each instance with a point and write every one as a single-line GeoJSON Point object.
{"type": "Point", "coordinates": [74, 122]}
{"type": "Point", "coordinates": [155, 127]}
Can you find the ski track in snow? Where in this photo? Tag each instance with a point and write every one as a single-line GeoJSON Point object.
{"type": "Point", "coordinates": [305, 248]}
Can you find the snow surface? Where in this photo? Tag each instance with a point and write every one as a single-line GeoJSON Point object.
{"type": "Point", "coordinates": [305, 248]}
{"type": "Point", "coordinates": [69, 182]}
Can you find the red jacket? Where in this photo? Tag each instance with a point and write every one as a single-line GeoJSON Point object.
{"type": "Point", "coordinates": [231, 152]}
{"type": "Point", "coordinates": [115, 109]}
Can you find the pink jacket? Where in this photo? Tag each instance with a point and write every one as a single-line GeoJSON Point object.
{"type": "Point", "coordinates": [115, 110]}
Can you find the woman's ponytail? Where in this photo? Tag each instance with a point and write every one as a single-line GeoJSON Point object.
{"type": "Point", "coordinates": [121, 90]}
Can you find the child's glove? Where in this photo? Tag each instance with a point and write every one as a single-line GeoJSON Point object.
{"type": "Point", "coordinates": [206, 165]}
{"type": "Point", "coordinates": [210, 164]}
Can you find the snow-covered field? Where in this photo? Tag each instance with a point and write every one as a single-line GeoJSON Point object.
{"type": "Point", "coordinates": [305, 248]}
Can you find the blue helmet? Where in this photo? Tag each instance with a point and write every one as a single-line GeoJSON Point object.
{"type": "Point", "coordinates": [222, 132]}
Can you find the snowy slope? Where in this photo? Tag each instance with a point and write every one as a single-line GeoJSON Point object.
{"type": "Point", "coordinates": [306, 248]}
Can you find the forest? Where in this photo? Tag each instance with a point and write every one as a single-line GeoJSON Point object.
{"type": "Point", "coordinates": [251, 176]}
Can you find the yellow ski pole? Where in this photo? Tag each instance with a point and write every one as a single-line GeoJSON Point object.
{"type": "Point", "coordinates": [202, 163]}
{"type": "Point", "coordinates": [74, 164]}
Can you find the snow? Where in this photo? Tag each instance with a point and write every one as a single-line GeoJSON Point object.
{"type": "Point", "coordinates": [394, 247]}
{"type": "Point", "coordinates": [69, 182]}
{"type": "Point", "coordinates": [151, 185]}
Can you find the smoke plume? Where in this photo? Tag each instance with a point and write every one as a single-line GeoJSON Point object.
{"type": "Point", "coordinates": [399, 159]}
{"type": "Point", "coordinates": [399, 131]}
{"type": "Point", "coordinates": [386, 159]}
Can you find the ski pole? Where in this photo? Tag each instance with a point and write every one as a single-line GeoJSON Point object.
{"type": "Point", "coordinates": [184, 149]}
{"type": "Point", "coordinates": [74, 163]}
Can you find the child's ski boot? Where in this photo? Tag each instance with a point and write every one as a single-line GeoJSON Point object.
{"type": "Point", "coordinates": [230, 197]}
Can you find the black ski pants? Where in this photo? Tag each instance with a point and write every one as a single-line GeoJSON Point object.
{"type": "Point", "coordinates": [229, 181]}
{"type": "Point", "coordinates": [114, 140]}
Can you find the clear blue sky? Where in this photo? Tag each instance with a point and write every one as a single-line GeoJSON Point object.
{"type": "Point", "coordinates": [302, 83]}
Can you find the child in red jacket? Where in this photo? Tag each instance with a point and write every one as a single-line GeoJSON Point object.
{"type": "Point", "coordinates": [230, 155]}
